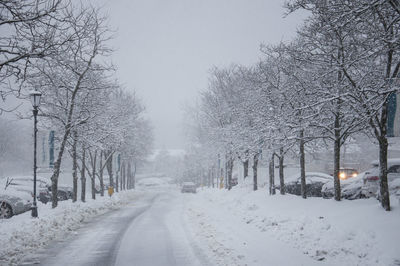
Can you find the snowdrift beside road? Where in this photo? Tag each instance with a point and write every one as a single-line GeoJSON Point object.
{"type": "Point", "coordinates": [244, 227]}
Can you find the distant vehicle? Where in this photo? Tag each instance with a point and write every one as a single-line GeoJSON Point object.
{"type": "Point", "coordinates": [314, 183]}
{"type": "Point", "coordinates": [188, 187]}
{"type": "Point", "coordinates": [345, 173]}
{"type": "Point", "coordinates": [13, 202]}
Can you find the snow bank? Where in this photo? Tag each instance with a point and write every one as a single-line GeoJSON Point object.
{"type": "Point", "coordinates": [245, 227]}
{"type": "Point", "coordinates": [22, 235]}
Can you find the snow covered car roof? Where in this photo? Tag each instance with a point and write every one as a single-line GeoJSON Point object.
{"type": "Point", "coordinates": [311, 177]}
{"type": "Point", "coordinates": [41, 179]}
{"type": "Point", "coordinates": [391, 162]}
{"type": "Point", "coordinates": [11, 192]}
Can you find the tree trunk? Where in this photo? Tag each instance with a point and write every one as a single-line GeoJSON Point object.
{"type": "Point", "coordinates": [212, 177]}
{"type": "Point", "coordinates": [117, 181]}
{"type": "Point", "coordinates": [272, 175]}
{"type": "Point", "coordinates": [128, 175]}
{"type": "Point", "coordinates": [222, 179]}
{"type": "Point", "coordinates": [302, 167]}
{"type": "Point", "coordinates": [245, 168]}
{"type": "Point", "coordinates": [255, 166]}
{"type": "Point", "coordinates": [117, 174]}
{"type": "Point", "coordinates": [110, 168]}
{"type": "Point", "coordinates": [230, 170]}
{"type": "Point", "coordinates": [83, 177]}
{"type": "Point", "coordinates": [93, 177]}
{"type": "Point", "coordinates": [124, 176]}
{"type": "Point", "coordinates": [281, 177]}
{"type": "Point", "coordinates": [226, 173]}
{"type": "Point", "coordinates": [75, 168]}
{"type": "Point", "coordinates": [121, 176]}
{"type": "Point", "coordinates": [56, 170]}
{"type": "Point", "coordinates": [383, 150]}
{"type": "Point", "coordinates": [101, 169]}
{"type": "Point", "coordinates": [336, 159]}
{"type": "Point", "coordinates": [134, 176]}
{"type": "Point", "coordinates": [384, 188]}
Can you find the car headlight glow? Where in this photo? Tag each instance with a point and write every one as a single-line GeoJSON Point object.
{"type": "Point", "coordinates": [342, 176]}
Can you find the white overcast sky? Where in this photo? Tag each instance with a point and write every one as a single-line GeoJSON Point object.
{"type": "Point", "coordinates": [164, 49]}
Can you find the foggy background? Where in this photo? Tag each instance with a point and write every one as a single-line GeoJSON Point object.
{"type": "Point", "coordinates": [164, 49]}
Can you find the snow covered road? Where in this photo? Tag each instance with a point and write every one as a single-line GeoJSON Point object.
{"type": "Point", "coordinates": [147, 232]}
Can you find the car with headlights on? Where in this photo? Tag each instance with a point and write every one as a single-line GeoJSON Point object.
{"type": "Point", "coordinates": [346, 173]}
{"type": "Point", "coordinates": [351, 188]}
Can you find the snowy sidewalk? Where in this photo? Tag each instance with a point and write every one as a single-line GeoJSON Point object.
{"type": "Point", "coordinates": [22, 235]}
{"type": "Point", "coordinates": [242, 227]}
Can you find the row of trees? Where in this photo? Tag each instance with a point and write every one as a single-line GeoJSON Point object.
{"type": "Point", "coordinates": [335, 79]}
{"type": "Point", "coordinates": [61, 49]}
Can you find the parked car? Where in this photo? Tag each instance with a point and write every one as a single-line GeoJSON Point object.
{"type": "Point", "coordinates": [371, 179]}
{"type": "Point", "coordinates": [12, 201]}
{"type": "Point", "coordinates": [64, 192]}
{"type": "Point", "coordinates": [351, 188]}
{"type": "Point", "coordinates": [234, 181]}
{"type": "Point", "coordinates": [188, 187]}
{"type": "Point", "coordinates": [25, 184]}
{"type": "Point", "coordinates": [314, 183]}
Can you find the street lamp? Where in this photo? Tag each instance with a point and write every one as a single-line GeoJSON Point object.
{"type": "Point", "coordinates": [35, 100]}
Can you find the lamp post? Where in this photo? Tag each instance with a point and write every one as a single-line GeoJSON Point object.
{"type": "Point", "coordinates": [35, 100]}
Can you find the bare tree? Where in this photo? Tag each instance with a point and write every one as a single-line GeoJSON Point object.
{"type": "Point", "coordinates": [30, 32]}
{"type": "Point", "coordinates": [62, 77]}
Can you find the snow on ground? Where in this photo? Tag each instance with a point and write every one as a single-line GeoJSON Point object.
{"type": "Point", "coordinates": [237, 227]}
{"type": "Point", "coordinates": [22, 235]}
{"type": "Point", "coordinates": [242, 227]}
